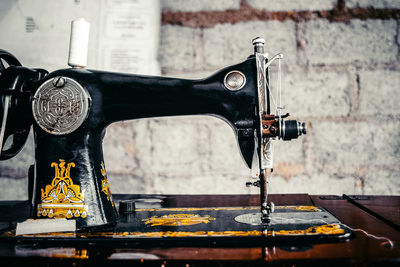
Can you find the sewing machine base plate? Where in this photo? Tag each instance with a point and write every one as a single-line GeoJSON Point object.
{"type": "Point", "coordinates": [80, 249]}
{"type": "Point", "coordinates": [150, 225]}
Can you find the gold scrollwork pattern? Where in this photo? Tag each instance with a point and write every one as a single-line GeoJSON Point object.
{"type": "Point", "coordinates": [105, 187]}
{"type": "Point", "coordinates": [62, 198]}
{"type": "Point", "coordinates": [178, 219]}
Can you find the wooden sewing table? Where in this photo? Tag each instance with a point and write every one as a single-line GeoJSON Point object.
{"type": "Point", "coordinates": [376, 215]}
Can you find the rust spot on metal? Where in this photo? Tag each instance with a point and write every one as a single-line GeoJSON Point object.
{"type": "Point", "coordinates": [270, 126]}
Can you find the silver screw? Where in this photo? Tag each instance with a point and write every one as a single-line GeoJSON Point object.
{"type": "Point", "coordinates": [264, 212]}
{"type": "Point", "coordinates": [58, 81]}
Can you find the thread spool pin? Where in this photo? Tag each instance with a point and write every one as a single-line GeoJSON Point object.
{"type": "Point", "coordinates": [78, 46]}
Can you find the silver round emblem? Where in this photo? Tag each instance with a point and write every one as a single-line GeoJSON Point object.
{"type": "Point", "coordinates": [234, 80]}
{"type": "Point", "coordinates": [60, 105]}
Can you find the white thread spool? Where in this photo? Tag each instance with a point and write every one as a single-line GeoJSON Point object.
{"type": "Point", "coordinates": [78, 45]}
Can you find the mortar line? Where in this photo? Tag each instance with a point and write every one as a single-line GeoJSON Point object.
{"type": "Point", "coordinates": [207, 19]}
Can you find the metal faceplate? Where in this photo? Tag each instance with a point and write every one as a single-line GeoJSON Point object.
{"type": "Point", "coordinates": [264, 146]}
{"type": "Point", "coordinates": [287, 218]}
{"type": "Point", "coordinates": [60, 108]}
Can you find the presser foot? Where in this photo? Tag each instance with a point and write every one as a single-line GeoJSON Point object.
{"type": "Point", "coordinates": [266, 210]}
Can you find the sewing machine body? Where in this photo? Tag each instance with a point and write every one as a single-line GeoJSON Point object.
{"type": "Point", "coordinates": [115, 97]}
{"type": "Point", "coordinates": [70, 110]}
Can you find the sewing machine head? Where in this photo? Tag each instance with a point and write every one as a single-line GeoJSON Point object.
{"type": "Point", "coordinates": [70, 109]}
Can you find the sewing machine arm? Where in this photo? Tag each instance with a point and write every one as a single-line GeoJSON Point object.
{"type": "Point", "coordinates": [116, 97]}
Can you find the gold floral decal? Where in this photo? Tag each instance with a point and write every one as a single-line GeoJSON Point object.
{"type": "Point", "coordinates": [178, 219]}
{"type": "Point", "coordinates": [105, 187]}
{"type": "Point", "coordinates": [62, 198]}
{"type": "Point", "coordinates": [326, 229]}
{"type": "Point", "coordinates": [308, 208]}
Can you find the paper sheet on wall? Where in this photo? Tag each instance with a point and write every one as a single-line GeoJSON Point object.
{"type": "Point", "coordinates": [124, 34]}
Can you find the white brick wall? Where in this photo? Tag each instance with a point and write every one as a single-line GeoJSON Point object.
{"type": "Point", "coordinates": [317, 184]}
{"type": "Point", "coordinates": [227, 44]}
{"type": "Point", "coordinates": [341, 146]}
{"type": "Point", "coordinates": [17, 167]}
{"type": "Point", "coordinates": [13, 189]}
{"type": "Point", "coordinates": [370, 41]}
{"type": "Point", "coordinates": [199, 5]}
{"type": "Point", "coordinates": [177, 49]}
{"type": "Point", "coordinates": [306, 92]}
{"type": "Point", "coordinates": [293, 5]}
{"type": "Point", "coordinates": [342, 78]}
{"type": "Point", "coordinates": [382, 181]}
{"type": "Point", "coordinates": [373, 3]}
{"type": "Point", "coordinates": [380, 92]}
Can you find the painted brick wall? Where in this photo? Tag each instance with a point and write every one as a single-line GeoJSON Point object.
{"type": "Point", "coordinates": [341, 75]}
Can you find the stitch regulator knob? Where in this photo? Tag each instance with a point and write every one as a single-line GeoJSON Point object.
{"type": "Point", "coordinates": [127, 206]}
{"type": "Point", "coordinates": [292, 129]}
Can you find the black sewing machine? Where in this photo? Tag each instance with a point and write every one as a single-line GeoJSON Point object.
{"type": "Point", "coordinates": [70, 109]}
